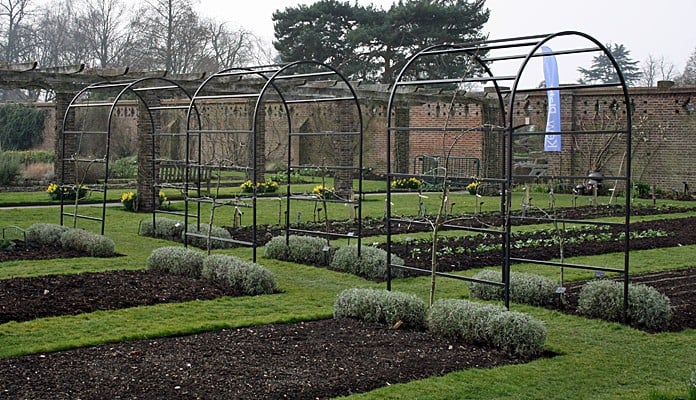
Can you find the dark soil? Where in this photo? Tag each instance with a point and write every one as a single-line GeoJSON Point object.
{"type": "Point", "coordinates": [24, 299]}
{"type": "Point", "coordinates": [375, 226]}
{"type": "Point", "coordinates": [309, 360]}
{"type": "Point", "coordinates": [32, 251]}
{"type": "Point", "coordinates": [680, 232]}
{"type": "Point", "coordinates": [319, 359]}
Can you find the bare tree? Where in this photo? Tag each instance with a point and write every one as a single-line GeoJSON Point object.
{"type": "Point", "coordinates": [607, 152]}
{"type": "Point", "coordinates": [15, 29]}
{"type": "Point", "coordinates": [54, 31]}
{"type": "Point", "coordinates": [228, 47]}
{"type": "Point", "coordinates": [656, 69]}
{"type": "Point", "coordinates": [597, 151]}
{"type": "Point", "coordinates": [103, 27]}
{"type": "Point", "coordinates": [16, 41]}
{"type": "Point", "coordinates": [233, 48]}
{"type": "Point", "coordinates": [162, 34]}
{"type": "Point", "coordinates": [190, 51]}
{"type": "Point", "coordinates": [170, 36]}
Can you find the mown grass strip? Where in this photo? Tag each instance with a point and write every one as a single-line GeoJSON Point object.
{"type": "Point", "coordinates": [596, 359]}
{"type": "Point", "coordinates": [307, 293]}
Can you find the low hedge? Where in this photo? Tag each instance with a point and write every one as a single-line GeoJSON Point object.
{"type": "Point", "coordinates": [162, 228]}
{"type": "Point", "coordinates": [232, 273]}
{"type": "Point", "coordinates": [94, 244]}
{"type": "Point", "coordinates": [45, 234]}
{"type": "Point", "coordinates": [202, 242]}
{"type": "Point", "coordinates": [525, 288]}
{"type": "Point", "coordinates": [238, 275]}
{"type": "Point", "coordinates": [647, 308]}
{"type": "Point", "coordinates": [381, 306]}
{"type": "Point", "coordinates": [176, 260]}
{"type": "Point", "coordinates": [517, 334]}
{"type": "Point", "coordinates": [371, 264]}
{"type": "Point", "coordinates": [310, 250]}
{"type": "Point", "coordinates": [89, 242]}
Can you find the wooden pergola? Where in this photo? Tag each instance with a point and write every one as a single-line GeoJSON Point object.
{"type": "Point", "coordinates": [66, 81]}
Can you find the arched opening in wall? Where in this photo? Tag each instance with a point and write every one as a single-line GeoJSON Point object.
{"type": "Point", "coordinates": [526, 134]}
{"type": "Point", "coordinates": [261, 127]}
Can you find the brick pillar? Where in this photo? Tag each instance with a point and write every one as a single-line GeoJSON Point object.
{"type": "Point", "coordinates": [145, 131]}
{"type": "Point", "coordinates": [294, 148]}
{"type": "Point", "coordinates": [260, 135]}
{"type": "Point", "coordinates": [344, 149]}
{"type": "Point", "coordinates": [400, 139]}
{"type": "Point", "coordinates": [63, 100]}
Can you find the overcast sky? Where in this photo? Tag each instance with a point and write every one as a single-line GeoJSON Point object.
{"type": "Point", "coordinates": [658, 28]}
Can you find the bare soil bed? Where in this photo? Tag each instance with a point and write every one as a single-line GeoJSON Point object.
{"type": "Point", "coordinates": [679, 231]}
{"type": "Point", "coordinates": [24, 299]}
{"type": "Point", "coordinates": [308, 360]}
{"type": "Point", "coordinates": [376, 226]}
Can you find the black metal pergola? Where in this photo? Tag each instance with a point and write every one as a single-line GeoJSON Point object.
{"type": "Point", "coordinates": [88, 126]}
{"type": "Point", "coordinates": [453, 69]}
{"type": "Point", "coordinates": [286, 86]}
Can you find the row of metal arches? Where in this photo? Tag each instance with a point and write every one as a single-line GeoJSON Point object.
{"type": "Point", "coordinates": [87, 139]}
{"type": "Point", "coordinates": [469, 63]}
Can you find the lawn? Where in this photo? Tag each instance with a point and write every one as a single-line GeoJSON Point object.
{"type": "Point", "coordinates": [595, 359]}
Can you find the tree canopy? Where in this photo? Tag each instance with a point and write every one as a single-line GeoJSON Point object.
{"type": "Point", "coordinates": [370, 43]}
{"type": "Point", "coordinates": [157, 35]}
{"type": "Point", "coordinates": [603, 71]}
{"type": "Point", "coordinates": [21, 127]}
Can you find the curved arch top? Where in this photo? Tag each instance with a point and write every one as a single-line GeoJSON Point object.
{"type": "Point", "coordinates": [511, 65]}
{"type": "Point", "coordinates": [294, 83]}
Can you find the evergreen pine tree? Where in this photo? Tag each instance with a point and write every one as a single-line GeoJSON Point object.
{"type": "Point", "coordinates": [603, 71]}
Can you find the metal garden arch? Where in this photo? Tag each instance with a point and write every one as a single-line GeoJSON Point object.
{"type": "Point", "coordinates": [88, 126]}
{"type": "Point", "coordinates": [453, 68]}
{"type": "Point", "coordinates": [284, 91]}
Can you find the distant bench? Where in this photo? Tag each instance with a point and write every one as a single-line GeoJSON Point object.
{"type": "Point", "coordinates": [460, 170]}
{"type": "Point", "coordinates": [176, 173]}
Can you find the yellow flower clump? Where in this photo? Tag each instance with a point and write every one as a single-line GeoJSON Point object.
{"type": "Point", "coordinates": [406, 183]}
{"type": "Point", "coordinates": [322, 191]}
{"type": "Point", "coordinates": [471, 188]}
{"type": "Point", "coordinates": [127, 196]}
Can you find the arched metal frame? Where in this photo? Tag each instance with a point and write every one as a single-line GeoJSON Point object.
{"type": "Point", "coordinates": [107, 95]}
{"type": "Point", "coordinates": [486, 56]}
{"type": "Point", "coordinates": [300, 82]}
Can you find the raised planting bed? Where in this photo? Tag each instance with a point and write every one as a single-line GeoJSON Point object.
{"type": "Point", "coordinates": [309, 360]}
{"type": "Point", "coordinates": [317, 359]}
{"type": "Point", "coordinates": [462, 253]}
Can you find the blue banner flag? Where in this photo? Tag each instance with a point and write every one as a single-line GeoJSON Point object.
{"type": "Point", "coordinates": [553, 120]}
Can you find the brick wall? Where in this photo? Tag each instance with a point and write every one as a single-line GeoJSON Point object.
{"type": "Point", "coordinates": [441, 115]}
{"type": "Point", "coordinates": [664, 132]}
